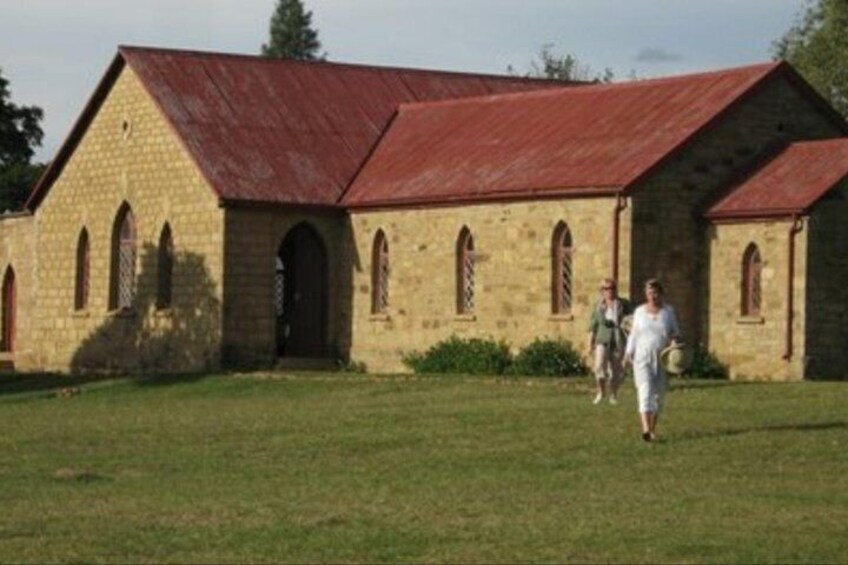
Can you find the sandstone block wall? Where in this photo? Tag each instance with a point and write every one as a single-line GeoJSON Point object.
{"type": "Point", "coordinates": [827, 287]}
{"type": "Point", "coordinates": [753, 347]}
{"type": "Point", "coordinates": [17, 252]}
{"type": "Point", "coordinates": [669, 236]}
{"type": "Point", "coordinates": [129, 154]}
{"type": "Point", "coordinates": [512, 280]}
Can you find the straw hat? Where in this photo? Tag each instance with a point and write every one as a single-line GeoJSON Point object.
{"type": "Point", "coordinates": [676, 358]}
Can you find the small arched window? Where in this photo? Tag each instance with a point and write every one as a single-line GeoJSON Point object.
{"type": "Point", "coordinates": [562, 295]}
{"type": "Point", "coordinates": [81, 281]}
{"type": "Point", "coordinates": [123, 285]}
{"type": "Point", "coordinates": [9, 311]}
{"type": "Point", "coordinates": [465, 263]}
{"type": "Point", "coordinates": [166, 268]}
{"type": "Point", "coordinates": [752, 267]}
{"type": "Point", "coordinates": [380, 274]}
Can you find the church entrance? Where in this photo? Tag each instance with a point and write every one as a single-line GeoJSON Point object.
{"type": "Point", "coordinates": [301, 294]}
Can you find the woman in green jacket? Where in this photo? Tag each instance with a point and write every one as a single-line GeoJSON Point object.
{"type": "Point", "coordinates": [607, 341]}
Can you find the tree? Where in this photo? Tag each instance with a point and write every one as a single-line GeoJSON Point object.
{"type": "Point", "coordinates": [817, 46]}
{"type": "Point", "coordinates": [562, 67]}
{"type": "Point", "coordinates": [291, 35]}
{"type": "Point", "coordinates": [20, 132]}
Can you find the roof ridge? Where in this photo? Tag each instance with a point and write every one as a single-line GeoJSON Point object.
{"type": "Point", "coordinates": [765, 68]}
{"type": "Point", "coordinates": [321, 63]}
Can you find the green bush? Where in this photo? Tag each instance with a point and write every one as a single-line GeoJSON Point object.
{"type": "Point", "coordinates": [462, 356]}
{"type": "Point", "coordinates": [548, 358]}
{"type": "Point", "coordinates": [474, 356]}
{"type": "Point", "coordinates": [705, 365]}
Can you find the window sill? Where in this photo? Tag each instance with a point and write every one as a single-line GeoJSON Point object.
{"type": "Point", "coordinates": [80, 313]}
{"type": "Point", "coordinates": [562, 317]}
{"type": "Point", "coordinates": [379, 317]}
{"type": "Point", "coordinates": [123, 313]}
{"type": "Point", "coordinates": [465, 317]}
{"type": "Point", "coordinates": [750, 320]}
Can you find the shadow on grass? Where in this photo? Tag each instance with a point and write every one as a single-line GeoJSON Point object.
{"type": "Point", "coordinates": [27, 382]}
{"type": "Point", "coordinates": [730, 432]}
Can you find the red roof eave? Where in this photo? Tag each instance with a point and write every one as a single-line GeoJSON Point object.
{"type": "Point", "coordinates": [488, 198]}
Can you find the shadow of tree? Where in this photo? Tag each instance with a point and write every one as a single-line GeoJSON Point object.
{"type": "Point", "coordinates": [184, 337]}
{"type": "Point", "coordinates": [33, 382]}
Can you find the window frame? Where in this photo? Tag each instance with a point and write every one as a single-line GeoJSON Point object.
{"type": "Point", "coordinates": [562, 270]}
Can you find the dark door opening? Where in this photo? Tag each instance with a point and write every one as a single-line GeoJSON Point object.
{"type": "Point", "coordinates": [9, 304]}
{"type": "Point", "coordinates": [301, 294]}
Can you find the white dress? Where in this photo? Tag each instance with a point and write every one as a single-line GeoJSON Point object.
{"type": "Point", "coordinates": [650, 334]}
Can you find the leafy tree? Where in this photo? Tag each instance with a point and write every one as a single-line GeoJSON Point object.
{"type": "Point", "coordinates": [291, 34]}
{"type": "Point", "coordinates": [565, 67]}
{"type": "Point", "coordinates": [20, 132]}
{"type": "Point", "coordinates": [817, 45]}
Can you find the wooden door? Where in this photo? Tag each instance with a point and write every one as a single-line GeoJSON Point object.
{"type": "Point", "coordinates": [301, 286]}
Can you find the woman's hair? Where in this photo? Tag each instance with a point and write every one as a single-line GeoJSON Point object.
{"type": "Point", "coordinates": [608, 282]}
{"type": "Point", "coordinates": [654, 284]}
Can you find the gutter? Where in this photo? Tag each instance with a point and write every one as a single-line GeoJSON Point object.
{"type": "Point", "coordinates": [620, 206]}
{"type": "Point", "coordinates": [796, 228]}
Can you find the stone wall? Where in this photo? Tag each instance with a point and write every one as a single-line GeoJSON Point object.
{"type": "Point", "coordinates": [753, 347]}
{"type": "Point", "coordinates": [17, 252]}
{"type": "Point", "coordinates": [669, 237]}
{"type": "Point", "coordinates": [827, 287]}
{"type": "Point", "coordinates": [129, 154]}
{"type": "Point", "coordinates": [512, 281]}
{"type": "Point", "coordinates": [253, 239]}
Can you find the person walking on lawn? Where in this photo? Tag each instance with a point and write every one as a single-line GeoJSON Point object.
{"type": "Point", "coordinates": [607, 340]}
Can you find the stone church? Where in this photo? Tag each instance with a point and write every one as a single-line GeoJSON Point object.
{"type": "Point", "coordinates": [212, 210]}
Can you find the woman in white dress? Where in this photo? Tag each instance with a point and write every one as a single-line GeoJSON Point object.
{"type": "Point", "coordinates": [654, 328]}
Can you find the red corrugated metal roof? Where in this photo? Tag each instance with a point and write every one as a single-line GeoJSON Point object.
{"type": "Point", "coordinates": [570, 140]}
{"type": "Point", "coordinates": [788, 184]}
{"type": "Point", "coordinates": [269, 130]}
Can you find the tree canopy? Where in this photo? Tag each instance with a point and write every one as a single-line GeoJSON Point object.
{"type": "Point", "coordinates": [817, 46]}
{"type": "Point", "coordinates": [563, 67]}
{"type": "Point", "coordinates": [291, 35]}
{"type": "Point", "coordinates": [20, 133]}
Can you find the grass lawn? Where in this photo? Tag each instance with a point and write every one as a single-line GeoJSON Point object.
{"type": "Point", "coordinates": [337, 468]}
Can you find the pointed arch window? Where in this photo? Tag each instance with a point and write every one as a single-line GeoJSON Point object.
{"type": "Point", "coordinates": [122, 288]}
{"type": "Point", "coordinates": [81, 282]}
{"type": "Point", "coordinates": [752, 267]}
{"type": "Point", "coordinates": [166, 268]}
{"type": "Point", "coordinates": [9, 311]}
{"type": "Point", "coordinates": [380, 274]}
{"type": "Point", "coordinates": [465, 265]}
{"type": "Point", "coordinates": [562, 287]}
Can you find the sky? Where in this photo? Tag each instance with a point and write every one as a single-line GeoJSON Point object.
{"type": "Point", "coordinates": [54, 52]}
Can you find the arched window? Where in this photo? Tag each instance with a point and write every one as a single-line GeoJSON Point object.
{"type": "Point", "coordinates": [380, 274]}
{"type": "Point", "coordinates": [752, 267]}
{"type": "Point", "coordinates": [81, 280]}
{"type": "Point", "coordinates": [562, 295]}
{"type": "Point", "coordinates": [465, 262]}
{"type": "Point", "coordinates": [9, 310]}
{"type": "Point", "coordinates": [122, 286]}
{"type": "Point", "coordinates": [166, 267]}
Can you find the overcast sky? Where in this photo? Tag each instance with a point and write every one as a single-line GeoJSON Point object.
{"type": "Point", "coordinates": [54, 51]}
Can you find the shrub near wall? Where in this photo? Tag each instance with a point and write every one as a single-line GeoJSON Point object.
{"type": "Point", "coordinates": [462, 356]}
{"type": "Point", "coordinates": [543, 357]}
{"type": "Point", "coordinates": [548, 358]}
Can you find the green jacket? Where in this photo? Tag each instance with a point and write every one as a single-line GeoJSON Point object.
{"type": "Point", "coordinates": [609, 332]}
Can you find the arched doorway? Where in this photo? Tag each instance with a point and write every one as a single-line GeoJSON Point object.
{"type": "Point", "coordinates": [301, 294]}
{"type": "Point", "coordinates": [9, 305]}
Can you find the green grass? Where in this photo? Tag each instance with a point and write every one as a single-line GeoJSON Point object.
{"type": "Point", "coordinates": [350, 468]}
